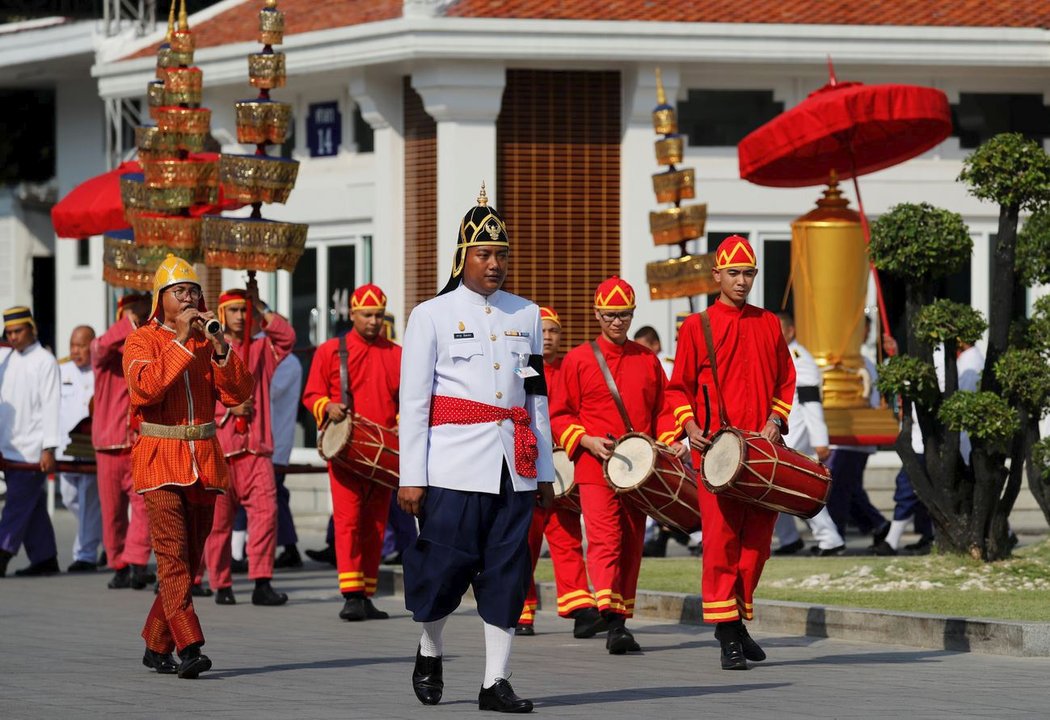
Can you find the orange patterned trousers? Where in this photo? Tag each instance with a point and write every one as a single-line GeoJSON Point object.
{"type": "Point", "coordinates": [179, 521]}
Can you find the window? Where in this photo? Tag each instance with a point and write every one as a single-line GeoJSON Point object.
{"type": "Point", "coordinates": [83, 252]}
{"type": "Point", "coordinates": [364, 136]}
{"type": "Point", "coordinates": [980, 116]}
{"type": "Point", "coordinates": [721, 118]}
{"type": "Point", "coordinates": [774, 273]}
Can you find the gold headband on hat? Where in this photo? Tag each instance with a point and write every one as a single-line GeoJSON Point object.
{"type": "Point", "coordinates": [18, 315]}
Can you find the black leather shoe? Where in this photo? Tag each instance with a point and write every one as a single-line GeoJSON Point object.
{"type": "Point", "coordinates": [354, 609]}
{"type": "Point", "coordinates": [818, 551]}
{"type": "Point", "coordinates": [880, 534]}
{"type": "Point", "coordinates": [588, 622]}
{"type": "Point", "coordinates": [238, 567]}
{"type": "Point", "coordinates": [163, 663]}
{"type": "Point", "coordinates": [501, 698]}
{"type": "Point", "coordinates": [323, 556]}
{"type": "Point", "coordinates": [374, 613]}
{"type": "Point", "coordinates": [82, 566]}
{"type": "Point", "coordinates": [921, 547]}
{"type": "Point", "coordinates": [193, 662]}
{"type": "Point", "coordinates": [752, 651]}
{"type": "Point", "coordinates": [198, 590]}
{"type": "Point", "coordinates": [44, 567]}
{"type": "Point", "coordinates": [289, 558]}
{"type": "Point", "coordinates": [266, 595]}
{"type": "Point", "coordinates": [791, 548]}
{"type": "Point", "coordinates": [141, 577]}
{"type": "Point", "coordinates": [523, 630]}
{"type": "Point", "coordinates": [733, 657]}
{"type": "Point", "coordinates": [620, 641]}
{"type": "Point", "coordinates": [121, 579]}
{"type": "Point", "coordinates": [224, 596]}
{"type": "Point", "coordinates": [882, 549]}
{"type": "Point", "coordinates": [427, 679]}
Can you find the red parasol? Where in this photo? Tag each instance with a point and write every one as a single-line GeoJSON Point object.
{"type": "Point", "coordinates": [851, 129]}
{"type": "Point", "coordinates": [95, 206]}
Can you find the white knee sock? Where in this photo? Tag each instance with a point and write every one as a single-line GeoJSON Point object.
{"type": "Point", "coordinates": [893, 537]}
{"type": "Point", "coordinates": [431, 645]}
{"type": "Point", "coordinates": [497, 653]}
{"type": "Point", "coordinates": [238, 539]}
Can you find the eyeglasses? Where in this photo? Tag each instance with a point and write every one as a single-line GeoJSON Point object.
{"type": "Point", "coordinates": [613, 317]}
{"type": "Point", "coordinates": [187, 292]}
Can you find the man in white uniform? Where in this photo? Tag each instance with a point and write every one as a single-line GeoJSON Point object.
{"type": "Point", "coordinates": [79, 490]}
{"type": "Point", "coordinates": [475, 448]}
{"type": "Point", "coordinates": [809, 435]}
{"type": "Point", "coordinates": [28, 436]}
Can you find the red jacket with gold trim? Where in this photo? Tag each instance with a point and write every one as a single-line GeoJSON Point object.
{"type": "Point", "coordinates": [373, 376]}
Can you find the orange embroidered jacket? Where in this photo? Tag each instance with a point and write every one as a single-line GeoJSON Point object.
{"type": "Point", "coordinates": [175, 384]}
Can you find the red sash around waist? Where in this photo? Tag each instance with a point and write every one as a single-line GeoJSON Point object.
{"type": "Point", "coordinates": [446, 410]}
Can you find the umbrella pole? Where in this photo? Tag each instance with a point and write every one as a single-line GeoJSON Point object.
{"type": "Point", "coordinates": [883, 315]}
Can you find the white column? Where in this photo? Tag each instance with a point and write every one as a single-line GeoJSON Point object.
{"type": "Point", "coordinates": [465, 99]}
{"type": "Point", "coordinates": [380, 97]}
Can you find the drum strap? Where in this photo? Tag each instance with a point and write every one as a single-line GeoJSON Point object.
{"type": "Point", "coordinates": [611, 384]}
{"type": "Point", "coordinates": [705, 321]}
{"type": "Point", "coordinates": [344, 381]}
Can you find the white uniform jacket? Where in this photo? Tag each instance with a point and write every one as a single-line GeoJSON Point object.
{"type": "Point", "coordinates": [28, 403]}
{"type": "Point", "coordinates": [465, 345]}
{"type": "Point", "coordinates": [806, 421]}
{"type": "Point", "coordinates": [77, 387]}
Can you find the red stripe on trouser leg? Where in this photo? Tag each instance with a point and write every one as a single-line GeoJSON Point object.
{"type": "Point", "coordinates": [179, 524]}
{"type": "Point", "coordinates": [737, 536]}
{"type": "Point", "coordinates": [565, 540]}
{"type": "Point", "coordinates": [359, 510]}
{"type": "Point", "coordinates": [126, 541]}
{"type": "Point", "coordinates": [252, 486]}
{"type": "Point", "coordinates": [539, 521]}
{"type": "Point", "coordinates": [615, 535]}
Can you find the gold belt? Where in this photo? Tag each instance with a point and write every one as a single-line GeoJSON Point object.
{"type": "Point", "coordinates": [178, 432]}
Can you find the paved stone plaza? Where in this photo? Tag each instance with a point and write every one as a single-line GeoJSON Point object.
{"type": "Point", "coordinates": [70, 649]}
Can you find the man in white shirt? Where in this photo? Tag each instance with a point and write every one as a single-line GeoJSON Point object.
{"type": "Point", "coordinates": [79, 490]}
{"type": "Point", "coordinates": [475, 449]}
{"type": "Point", "coordinates": [808, 435]}
{"type": "Point", "coordinates": [29, 436]}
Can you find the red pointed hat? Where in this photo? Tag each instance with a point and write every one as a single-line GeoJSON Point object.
{"type": "Point", "coordinates": [368, 297]}
{"type": "Point", "coordinates": [614, 294]}
{"type": "Point", "coordinates": [547, 313]}
{"type": "Point", "coordinates": [735, 252]}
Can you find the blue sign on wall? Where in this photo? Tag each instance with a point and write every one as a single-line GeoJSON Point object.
{"type": "Point", "coordinates": [324, 129]}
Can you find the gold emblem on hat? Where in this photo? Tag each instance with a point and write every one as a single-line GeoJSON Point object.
{"type": "Point", "coordinates": [493, 230]}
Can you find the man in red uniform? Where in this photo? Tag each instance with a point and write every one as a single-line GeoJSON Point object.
{"type": "Point", "coordinates": [586, 421]}
{"type": "Point", "coordinates": [561, 525]}
{"type": "Point", "coordinates": [246, 437]}
{"type": "Point", "coordinates": [359, 505]}
{"type": "Point", "coordinates": [126, 541]}
{"type": "Point", "coordinates": [175, 372]}
{"type": "Point", "coordinates": [757, 379]}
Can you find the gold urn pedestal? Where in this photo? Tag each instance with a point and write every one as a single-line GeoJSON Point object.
{"type": "Point", "coordinates": [861, 426]}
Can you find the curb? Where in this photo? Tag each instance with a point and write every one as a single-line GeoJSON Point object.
{"type": "Point", "coordinates": [937, 632]}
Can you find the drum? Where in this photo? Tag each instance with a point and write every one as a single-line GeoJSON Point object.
{"type": "Point", "coordinates": [649, 476]}
{"type": "Point", "coordinates": [566, 494]}
{"type": "Point", "coordinates": [366, 448]}
{"type": "Point", "coordinates": [748, 467]}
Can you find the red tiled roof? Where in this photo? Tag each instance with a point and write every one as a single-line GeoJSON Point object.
{"type": "Point", "coordinates": [241, 23]}
{"type": "Point", "coordinates": [958, 13]}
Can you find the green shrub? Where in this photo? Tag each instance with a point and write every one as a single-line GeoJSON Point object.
{"type": "Point", "coordinates": [909, 377]}
{"type": "Point", "coordinates": [1009, 170]}
{"type": "Point", "coordinates": [920, 242]}
{"type": "Point", "coordinates": [943, 321]}
{"type": "Point", "coordinates": [984, 415]}
{"type": "Point", "coordinates": [1025, 379]}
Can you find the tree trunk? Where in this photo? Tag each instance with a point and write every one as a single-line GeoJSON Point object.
{"type": "Point", "coordinates": [1038, 481]}
{"type": "Point", "coordinates": [1004, 278]}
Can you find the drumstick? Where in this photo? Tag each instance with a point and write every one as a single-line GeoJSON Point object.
{"type": "Point", "coordinates": [707, 410]}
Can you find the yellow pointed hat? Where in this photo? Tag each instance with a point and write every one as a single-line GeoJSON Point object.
{"type": "Point", "coordinates": [172, 271]}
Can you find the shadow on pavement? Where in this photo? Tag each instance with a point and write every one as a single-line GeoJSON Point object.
{"type": "Point", "coordinates": [647, 694]}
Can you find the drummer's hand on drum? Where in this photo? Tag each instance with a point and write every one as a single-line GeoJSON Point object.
{"type": "Point", "coordinates": [771, 432]}
{"type": "Point", "coordinates": [680, 450]}
{"type": "Point", "coordinates": [410, 499]}
{"type": "Point", "coordinates": [823, 453]}
{"type": "Point", "coordinates": [335, 411]}
{"type": "Point", "coordinates": [545, 494]}
{"type": "Point", "coordinates": [696, 437]}
{"type": "Point", "coordinates": [599, 447]}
